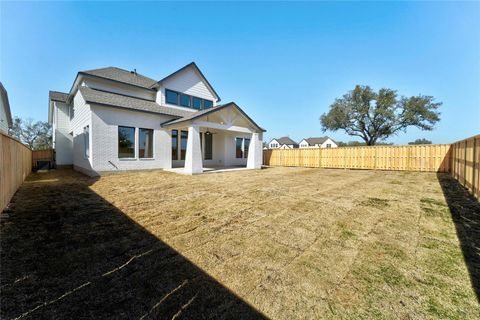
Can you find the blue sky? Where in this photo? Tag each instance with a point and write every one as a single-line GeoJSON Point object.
{"type": "Point", "coordinates": [283, 63]}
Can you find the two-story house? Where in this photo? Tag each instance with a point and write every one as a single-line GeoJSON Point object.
{"type": "Point", "coordinates": [5, 113]}
{"type": "Point", "coordinates": [113, 119]}
{"type": "Point", "coordinates": [321, 142]}
{"type": "Point", "coordinates": [282, 143]}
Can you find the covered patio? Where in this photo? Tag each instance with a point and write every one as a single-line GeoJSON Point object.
{"type": "Point", "coordinates": [217, 139]}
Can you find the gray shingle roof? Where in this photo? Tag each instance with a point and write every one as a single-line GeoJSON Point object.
{"type": "Point", "coordinates": [286, 140]}
{"type": "Point", "coordinates": [313, 141]}
{"type": "Point", "coordinates": [212, 110]}
{"type": "Point", "coordinates": [120, 101]}
{"type": "Point", "coordinates": [122, 75]}
{"type": "Point", "coordinates": [58, 96]}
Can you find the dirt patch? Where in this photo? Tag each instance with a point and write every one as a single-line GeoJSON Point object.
{"type": "Point", "coordinates": [282, 243]}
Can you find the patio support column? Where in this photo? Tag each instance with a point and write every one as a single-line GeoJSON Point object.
{"type": "Point", "coordinates": [193, 156]}
{"type": "Point", "coordinates": [255, 151]}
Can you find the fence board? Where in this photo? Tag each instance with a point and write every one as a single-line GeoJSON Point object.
{"type": "Point", "coordinates": [47, 154]}
{"type": "Point", "coordinates": [461, 159]}
{"type": "Point", "coordinates": [15, 166]}
{"type": "Point", "coordinates": [429, 158]}
{"type": "Point", "coordinates": [466, 164]}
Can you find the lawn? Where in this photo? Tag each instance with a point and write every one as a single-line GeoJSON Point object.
{"type": "Point", "coordinates": [282, 243]}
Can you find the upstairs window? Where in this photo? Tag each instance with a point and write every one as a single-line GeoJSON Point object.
{"type": "Point", "coordinates": [185, 100]}
{"type": "Point", "coordinates": [196, 103]}
{"type": "Point", "coordinates": [171, 97]}
{"type": "Point", "coordinates": [207, 104]}
{"type": "Point", "coordinates": [126, 142]}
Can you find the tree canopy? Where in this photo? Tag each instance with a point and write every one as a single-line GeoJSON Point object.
{"type": "Point", "coordinates": [36, 135]}
{"type": "Point", "coordinates": [375, 116]}
{"type": "Point", "coordinates": [421, 141]}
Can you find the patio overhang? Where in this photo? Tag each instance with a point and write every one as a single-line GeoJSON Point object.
{"type": "Point", "coordinates": [228, 117]}
{"type": "Point", "coordinates": [224, 117]}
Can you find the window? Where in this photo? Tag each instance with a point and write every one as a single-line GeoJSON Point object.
{"type": "Point", "coordinates": [329, 145]}
{"type": "Point", "coordinates": [183, 144]}
{"type": "Point", "coordinates": [208, 146]}
{"type": "Point", "coordinates": [171, 96]}
{"type": "Point", "coordinates": [196, 103]}
{"type": "Point", "coordinates": [241, 147]}
{"type": "Point", "coordinates": [145, 143]}
{"type": "Point", "coordinates": [174, 144]}
{"type": "Point", "coordinates": [246, 144]}
{"type": "Point", "coordinates": [72, 113]}
{"type": "Point", "coordinates": [238, 148]}
{"type": "Point", "coordinates": [86, 141]}
{"type": "Point", "coordinates": [185, 100]}
{"type": "Point", "coordinates": [207, 104]}
{"type": "Point", "coordinates": [126, 142]}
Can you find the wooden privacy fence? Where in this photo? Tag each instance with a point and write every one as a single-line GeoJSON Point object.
{"type": "Point", "coordinates": [433, 158]}
{"type": "Point", "coordinates": [466, 164]}
{"type": "Point", "coordinates": [45, 155]}
{"type": "Point", "coordinates": [15, 166]}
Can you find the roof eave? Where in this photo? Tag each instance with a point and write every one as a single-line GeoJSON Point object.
{"type": "Point", "coordinates": [167, 123]}
{"type": "Point", "coordinates": [113, 80]}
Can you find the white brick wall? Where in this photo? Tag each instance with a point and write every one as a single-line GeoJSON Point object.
{"type": "Point", "coordinates": [105, 122]}
{"type": "Point", "coordinates": [82, 117]}
{"type": "Point", "coordinates": [63, 140]}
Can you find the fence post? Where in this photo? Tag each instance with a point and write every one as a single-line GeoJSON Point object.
{"type": "Point", "coordinates": [473, 165]}
{"type": "Point", "coordinates": [320, 157]}
{"type": "Point", "coordinates": [465, 166]}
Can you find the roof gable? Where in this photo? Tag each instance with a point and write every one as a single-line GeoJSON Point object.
{"type": "Point", "coordinates": [58, 96]}
{"type": "Point", "coordinates": [286, 140]}
{"type": "Point", "coordinates": [192, 66]}
{"type": "Point", "coordinates": [316, 140]}
{"type": "Point", "coordinates": [214, 110]}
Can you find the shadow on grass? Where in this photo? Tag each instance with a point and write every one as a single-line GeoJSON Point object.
{"type": "Point", "coordinates": [465, 210]}
{"type": "Point", "coordinates": [67, 253]}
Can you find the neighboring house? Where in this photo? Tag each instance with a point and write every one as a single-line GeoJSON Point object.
{"type": "Point", "coordinates": [5, 113]}
{"type": "Point", "coordinates": [322, 142]}
{"type": "Point", "coordinates": [114, 119]}
{"type": "Point", "coordinates": [282, 143]}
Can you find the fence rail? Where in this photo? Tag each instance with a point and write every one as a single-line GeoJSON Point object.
{"type": "Point", "coordinates": [15, 166]}
{"type": "Point", "coordinates": [466, 164]}
{"type": "Point", "coordinates": [431, 158]}
{"type": "Point", "coordinates": [46, 155]}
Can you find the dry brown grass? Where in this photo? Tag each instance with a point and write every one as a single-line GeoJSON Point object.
{"type": "Point", "coordinates": [284, 242]}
